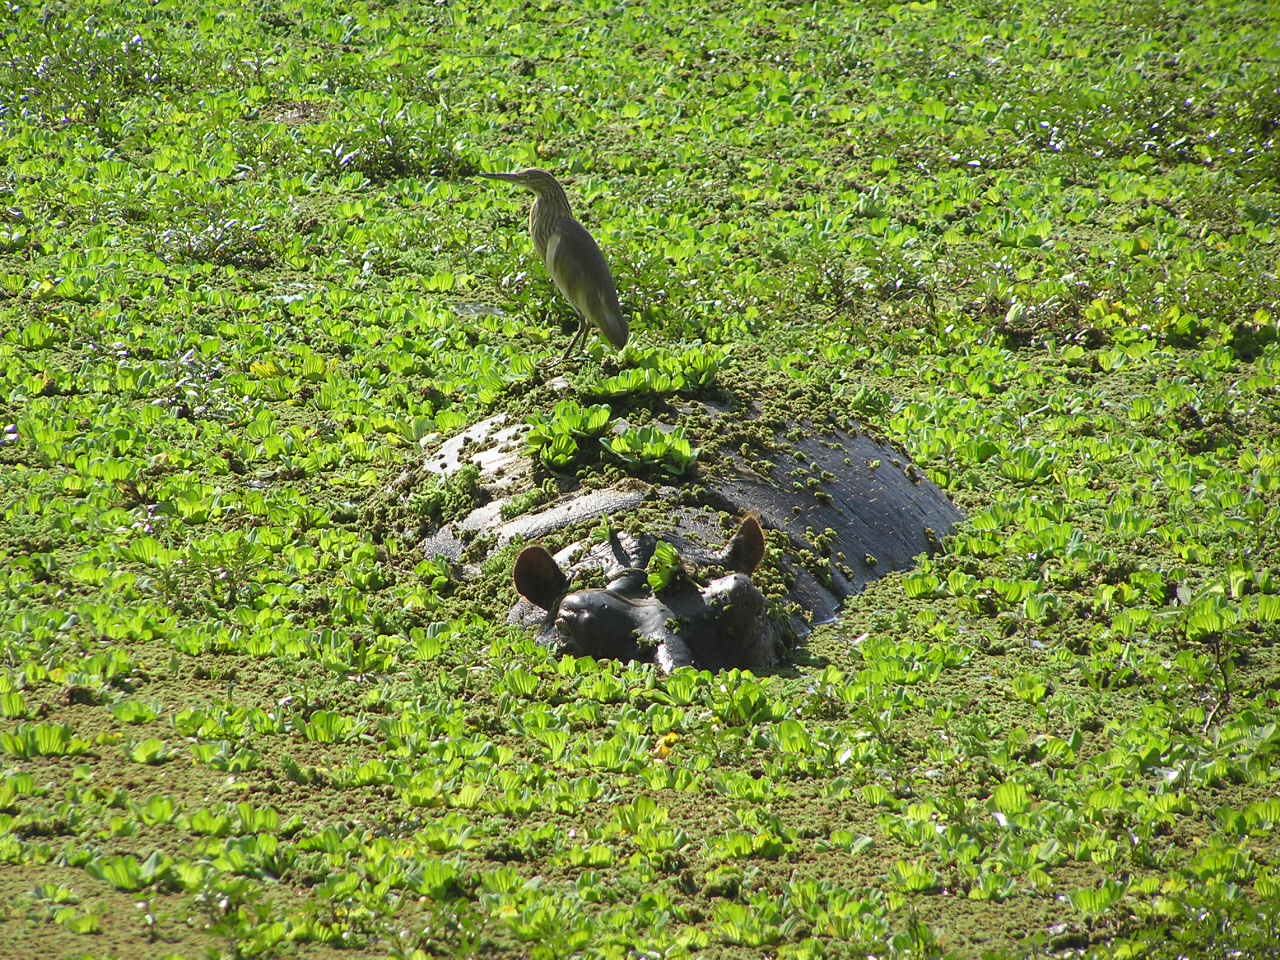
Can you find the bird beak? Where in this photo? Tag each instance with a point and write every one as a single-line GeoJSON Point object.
{"type": "Point", "coordinates": [509, 177]}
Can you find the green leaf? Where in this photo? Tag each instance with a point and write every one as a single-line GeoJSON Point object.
{"type": "Point", "coordinates": [1011, 799]}
{"type": "Point", "coordinates": [663, 566]}
{"type": "Point", "coordinates": [150, 751]}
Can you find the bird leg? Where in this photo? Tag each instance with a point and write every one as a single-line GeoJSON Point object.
{"type": "Point", "coordinates": [580, 335]}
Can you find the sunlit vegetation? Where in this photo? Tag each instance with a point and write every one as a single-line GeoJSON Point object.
{"type": "Point", "coordinates": [243, 274]}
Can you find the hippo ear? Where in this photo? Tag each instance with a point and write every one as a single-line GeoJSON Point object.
{"type": "Point", "coordinates": [745, 551]}
{"type": "Point", "coordinates": [538, 577]}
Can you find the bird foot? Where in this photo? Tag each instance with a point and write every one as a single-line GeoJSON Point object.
{"type": "Point", "coordinates": [550, 363]}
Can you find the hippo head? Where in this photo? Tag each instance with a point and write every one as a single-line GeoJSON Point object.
{"type": "Point", "coordinates": [722, 624]}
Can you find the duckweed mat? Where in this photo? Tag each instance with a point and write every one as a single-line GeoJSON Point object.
{"type": "Point", "coordinates": [244, 272]}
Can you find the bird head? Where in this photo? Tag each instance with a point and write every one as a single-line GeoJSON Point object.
{"type": "Point", "coordinates": [539, 181]}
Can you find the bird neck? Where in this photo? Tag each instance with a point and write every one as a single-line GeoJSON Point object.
{"type": "Point", "coordinates": [549, 208]}
{"type": "Point", "coordinates": [552, 200]}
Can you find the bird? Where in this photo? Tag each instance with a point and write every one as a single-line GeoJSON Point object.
{"type": "Point", "coordinates": [572, 257]}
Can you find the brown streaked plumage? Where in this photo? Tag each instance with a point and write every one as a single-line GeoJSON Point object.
{"type": "Point", "coordinates": [572, 257]}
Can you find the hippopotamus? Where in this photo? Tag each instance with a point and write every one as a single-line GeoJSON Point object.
{"type": "Point", "coordinates": [841, 508]}
{"type": "Point", "coordinates": [720, 625]}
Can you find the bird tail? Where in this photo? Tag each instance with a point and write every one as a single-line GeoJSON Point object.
{"type": "Point", "coordinates": [614, 327]}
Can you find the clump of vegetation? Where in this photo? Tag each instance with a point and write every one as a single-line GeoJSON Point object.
{"type": "Point", "coordinates": [215, 238]}
{"type": "Point", "coordinates": [652, 449]}
{"type": "Point", "coordinates": [420, 502]}
{"type": "Point", "coordinates": [385, 138]}
{"type": "Point", "coordinates": [524, 502]}
{"type": "Point", "coordinates": [554, 440]}
{"type": "Point", "coordinates": [664, 566]}
{"type": "Point", "coordinates": [448, 498]}
{"type": "Point", "coordinates": [62, 68]}
{"type": "Point", "coordinates": [661, 372]}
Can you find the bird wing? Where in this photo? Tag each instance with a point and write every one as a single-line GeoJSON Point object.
{"type": "Point", "coordinates": [580, 273]}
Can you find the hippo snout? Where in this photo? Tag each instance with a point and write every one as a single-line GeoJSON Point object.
{"type": "Point", "coordinates": [575, 612]}
{"type": "Point", "coordinates": [598, 623]}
